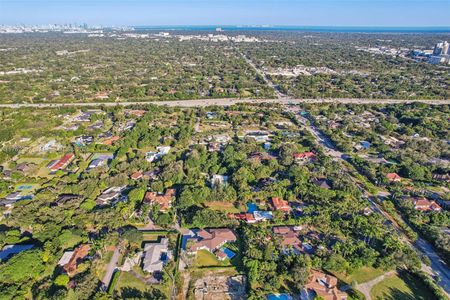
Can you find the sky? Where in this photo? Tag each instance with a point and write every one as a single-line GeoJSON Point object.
{"type": "Point", "coordinates": [388, 13]}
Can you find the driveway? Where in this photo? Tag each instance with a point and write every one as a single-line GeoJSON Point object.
{"type": "Point", "coordinates": [112, 265]}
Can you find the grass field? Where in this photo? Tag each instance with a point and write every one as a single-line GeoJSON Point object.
{"type": "Point", "coordinates": [222, 206]}
{"type": "Point", "coordinates": [150, 237]}
{"type": "Point", "coordinates": [34, 160]}
{"type": "Point", "coordinates": [361, 275]}
{"type": "Point", "coordinates": [402, 287]}
{"type": "Point", "coordinates": [126, 280]}
{"type": "Point", "coordinates": [207, 259]}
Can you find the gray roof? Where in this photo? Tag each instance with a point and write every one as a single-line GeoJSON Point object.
{"type": "Point", "coordinates": [152, 257]}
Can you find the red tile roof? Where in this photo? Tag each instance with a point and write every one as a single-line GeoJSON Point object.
{"type": "Point", "coordinates": [111, 140]}
{"type": "Point", "coordinates": [213, 239]}
{"type": "Point", "coordinates": [304, 155]}
{"type": "Point", "coordinates": [424, 204]}
{"type": "Point", "coordinates": [393, 177]}
{"type": "Point", "coordinates": [248, 217]}
{"type": "Point", "coordinates": [280, 204]}
{"type": "Point", "coordinates": [136, 175]}
{"type": "Point", "coordinates": [62, 162]}
{"type": "Point", "coordinates": [79, 254]}
{"type": "Point", "coordinates": [324, 286]}
{"type": "Point", "coordinates": [164, 200]}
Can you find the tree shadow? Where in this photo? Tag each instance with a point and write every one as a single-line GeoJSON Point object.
{"type": "Point", "coordinates": [396, 294]}
{"type": "Point", "coordinates": [133, 293]}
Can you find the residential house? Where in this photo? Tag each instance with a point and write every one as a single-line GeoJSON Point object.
{"type": "Point", "coordinates": [102, 95]}
{"type": "Point", "coordinates": [322, 285]}
{"type": "Point", "coordinates": [322, 183]}
{"type": "Point", "coordinates": [304, 156]}
{"type": "Point", "coordinates": [62, 163]}
{"type": "Point", "coordinates": [218, 180]}
{"type": "Point", "coordinates": [151, 174]}
{"type": "Point", "coordinates": [211, 115]}
{"type": "Point", "coordinates": [259, 136]}
{"type": "Point", "coordinates": [365, 144]}
{"type": "Point", "coordinates": [110, 141]}
{"type": "Point", "coordinates": [97, 125]}
{"type": "Point", "coordinates": [100, 161]}
{"type": "Point", "coordinates": [110, 196]}
{"type": "Point", "coordinates": [52, 145]}
{"type": "Point", "coordinates": [260, 156]}
{"type": "Point", "coordinates": [247, 217]}
{"type": "Point", "coordinates": [71, 259]}
{"type": "Point", "coordinates": [221, 139]}
{"type": "Point", "coordinates": [136, 175]}
{"type": "Point", "coordinates": [161, 151]}
{"type": "Point", "coordinates": [84, 140]}
{"type": "Point", "coordinates": [12, 198]}
{"type": "Point", "coordinates": [156, 255]}
{"type": "Point", "coordinates": [65, 198]}
{"type": "Point", "coordinates": [393, 177]}
{"type": "Point", "coordinates": [211, 239]}
{"type": "Point", "coordinates": [424, 204]}
{"type": "Point", "coordinates": [280, 205]}
{"type": "Point", "coordinates": [442, 177]}
{"type": "Point", "coordinates": [136, 113]}
{"type": "Point", "coordinates": [7, 174]}
{"type": "Point", "coordinates": [82, 117]}
{"type": "Point", "coordinates": [262, 215]}
{"type": "Point", "coordinates": [23, 167]}
{"type": "Point", "coordinates": [289, 238]}
{"type": "Point", "coordinates": [163, 200]}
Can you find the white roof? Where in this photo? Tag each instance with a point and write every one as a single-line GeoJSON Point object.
{"type": "Point", "coordinates": [65, 258]}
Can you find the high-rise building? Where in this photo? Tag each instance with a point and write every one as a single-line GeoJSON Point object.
{"type": "Point", "coordinates": [441, 48]}
{"type": "Point", "coordinates": [445, 48]}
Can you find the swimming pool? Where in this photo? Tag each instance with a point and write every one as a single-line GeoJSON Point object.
{"type": "Point", "coordinates": [251, 207]}
{"type": "Point", "coordinates": [230, 254]}
{"type": "Point", "coordinates": [25, 187]}
{"type": "Point", "coordinates": [279, 297]}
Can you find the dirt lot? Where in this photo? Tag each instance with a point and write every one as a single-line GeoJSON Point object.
{"type": "Point", "coordinates": [215, 286]}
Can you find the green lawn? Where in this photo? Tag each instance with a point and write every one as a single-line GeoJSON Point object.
{"type": "Point", "coordinates": [222, 206]}
{"type": "Point", "coordinates": [208, 259]}
{"type": "Point", "coordinates": [126, 280]}
{"type": "Point", "coordinates": [127, 285]}
{"type": "Point", "coordinates": [402, 287]}
{"type": "Point", "coordinates": [361, 275]}
{"type": "Point", "coordinates": [34, 160]}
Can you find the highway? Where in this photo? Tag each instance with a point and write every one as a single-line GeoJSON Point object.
{"type": "Point", "coordinates": [225, 102]}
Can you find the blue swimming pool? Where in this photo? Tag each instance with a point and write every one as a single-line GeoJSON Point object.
{"type": "Point", "coordinates": [279, 297]}
{"type": "Point", "coordinates": [251, 207]}
{"type": "Point", "coordinates": [25, 187]}
{"type": "Point", "coordinates": [230, 254]}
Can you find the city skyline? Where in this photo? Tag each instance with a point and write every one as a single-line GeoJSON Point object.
{"type": "Point", "coordinates": [351, 13]}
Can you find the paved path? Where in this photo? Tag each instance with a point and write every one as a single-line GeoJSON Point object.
{"type": "Point", "coordinates": [366, 287]}
{"type": "Point", "coordinates": [438, 266]}
{"type": "Point", "coordinates": [226, 102]}
{"type": "Point", "coordinates": [110, 269]}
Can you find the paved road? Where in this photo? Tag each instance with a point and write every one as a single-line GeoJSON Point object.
{"type": "Point", "coordinates": [110, 269]}
{"type": "Point", "coordinates": [226, 102]}
{"type": "Point", "coordinates": [266, 79]}
{"type": "Point", "coordinates": [438, 266]}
